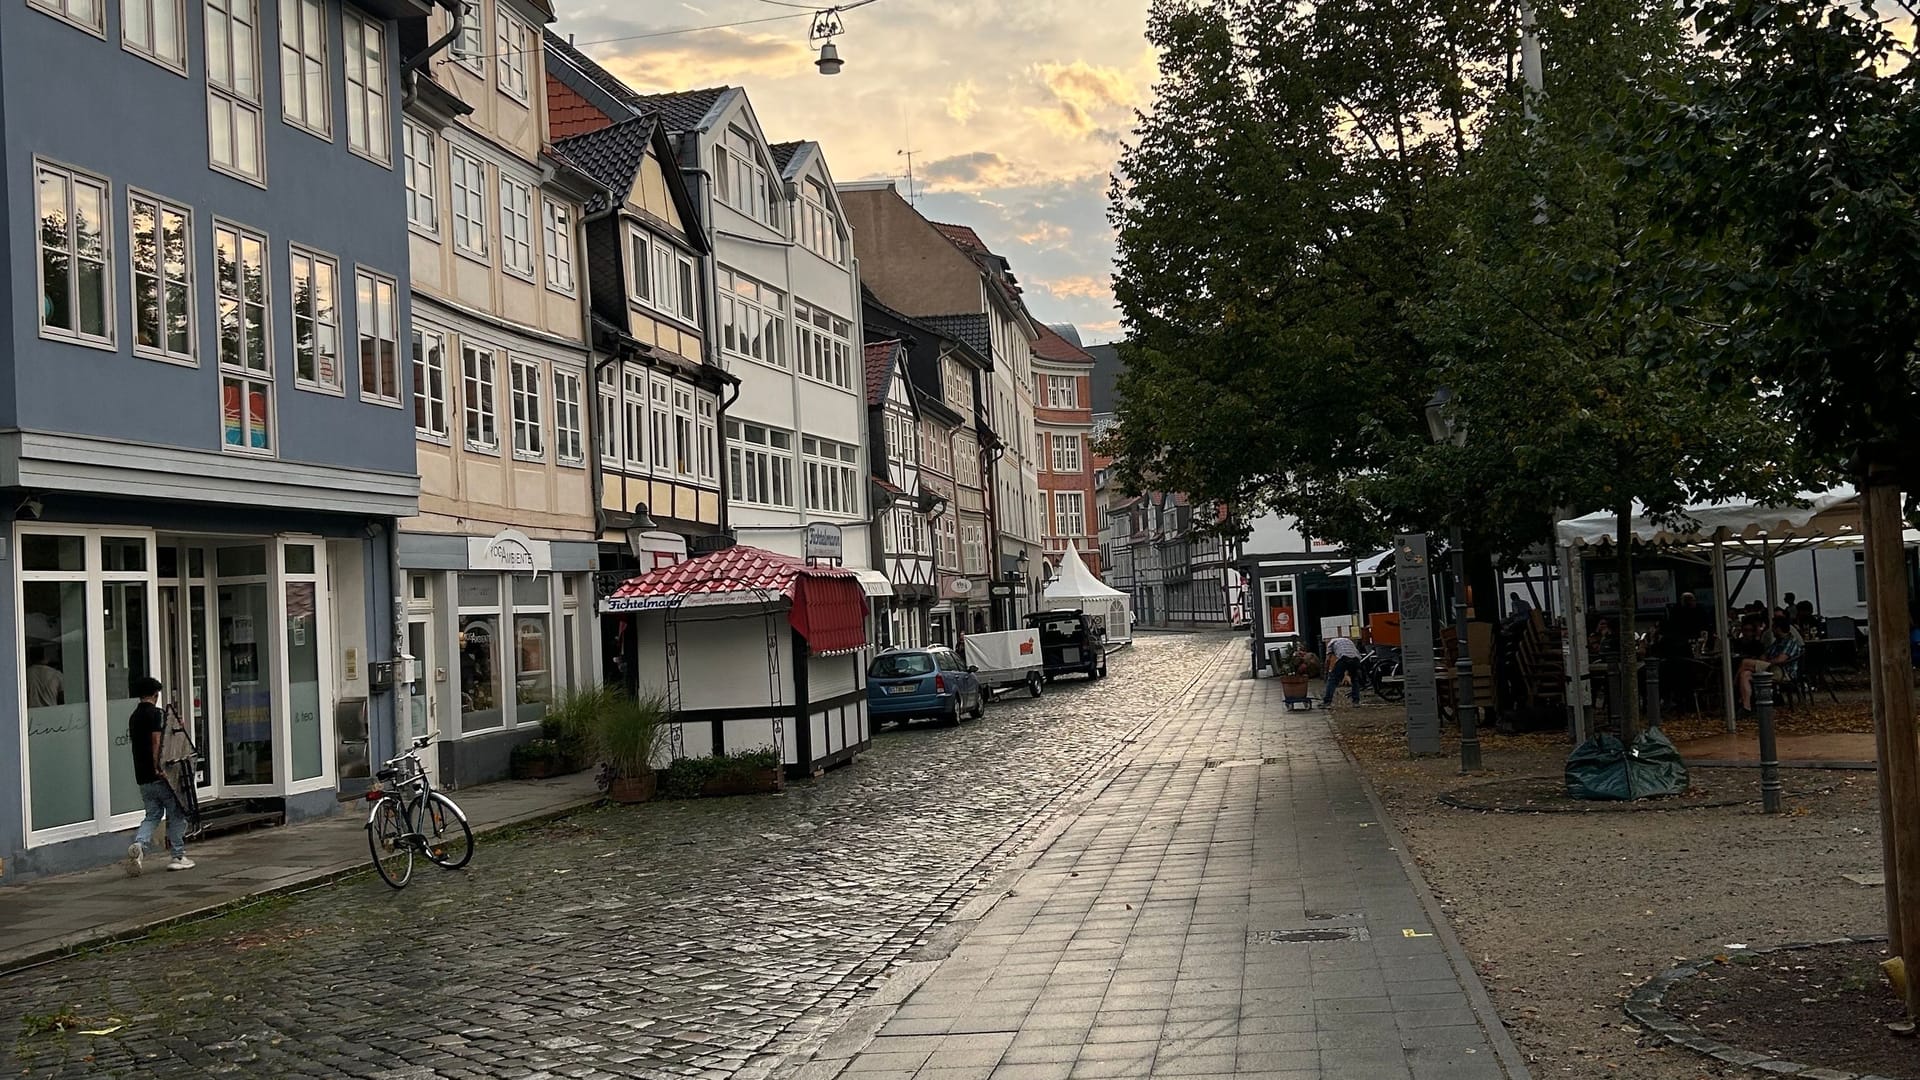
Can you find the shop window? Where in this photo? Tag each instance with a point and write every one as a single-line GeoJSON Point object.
{"type": "Point", "coordinates": [59, 717]}
{"type": "Point", "coordinates": [63, 554]}
{"type": "Point", "coordinates": [479, 644]}
{"type": "Point", "coordinates": [533, 647]}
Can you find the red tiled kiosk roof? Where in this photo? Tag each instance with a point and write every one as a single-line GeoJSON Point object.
{"type": "Point", "coordinates": [828, 607]}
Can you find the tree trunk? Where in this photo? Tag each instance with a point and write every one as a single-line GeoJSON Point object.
{"type": "Point", "coordinates": [1892, 669]}
{"type": "Point", "coordinates": [1629, 662]}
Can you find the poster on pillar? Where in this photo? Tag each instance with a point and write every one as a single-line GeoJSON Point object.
{"type": "Point", "coordinates": [1413, 577]}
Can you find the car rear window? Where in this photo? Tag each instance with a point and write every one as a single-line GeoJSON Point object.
{"type": "Point", "coordinates": [901, 665]}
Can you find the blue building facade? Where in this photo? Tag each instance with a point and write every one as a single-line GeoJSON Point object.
{"type": "Point", "coordinates": [206, 437]}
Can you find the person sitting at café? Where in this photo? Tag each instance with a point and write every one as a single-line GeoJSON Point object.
{"type": "Point", "coordinates": [1805, 619]}
{"type": "Point", "coordinates": [1601, 642]}
{"type": "Point", "coordinates": [1780, 652]}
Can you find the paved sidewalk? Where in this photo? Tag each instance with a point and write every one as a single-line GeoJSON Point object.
{"type": "Point", "coordinates": [1232, 903]}
{"type": "Point", "coordinates": [48, 917]}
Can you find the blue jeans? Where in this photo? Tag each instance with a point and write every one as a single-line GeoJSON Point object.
{"type": "Point", "coordinates": [159, 798]}
{"type": "Point", "coordinates": [1340, 668]}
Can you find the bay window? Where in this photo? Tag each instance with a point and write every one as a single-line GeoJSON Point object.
{"type": "Point", "coordinates": [752, 318]}
{"type": "Point", "coordinates": [832, 471]}
{"type": "Point", "coordinates": [822, 339]}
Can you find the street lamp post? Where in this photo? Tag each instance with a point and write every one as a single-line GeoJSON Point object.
{"type": "Point", "coordinates": [1443, 426]}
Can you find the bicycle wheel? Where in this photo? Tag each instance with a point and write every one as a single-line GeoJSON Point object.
{"type": "Point", "coordinates": [449, 839]}
{"type": "Point", "coordinates": [387, 839]}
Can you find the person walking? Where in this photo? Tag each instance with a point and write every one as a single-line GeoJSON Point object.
{"type": "Point", "coordinates": [145, 729]}
{"type": "Point", "coordinates": [1344, 657]}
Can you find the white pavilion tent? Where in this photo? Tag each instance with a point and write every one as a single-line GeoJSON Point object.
{"type": "Point", "coordinates": [1074, 585]}
{"type": "Point", "coordinates": [1758, 530]}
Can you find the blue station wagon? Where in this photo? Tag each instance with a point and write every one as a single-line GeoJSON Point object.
{"type": "Point", "coordinates": [923, 684]}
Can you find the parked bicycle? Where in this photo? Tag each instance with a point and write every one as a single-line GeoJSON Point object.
{"type": "Point", "coordinates": [1380, 672]}
{"type": "Point", "coordinates": [409, 817]}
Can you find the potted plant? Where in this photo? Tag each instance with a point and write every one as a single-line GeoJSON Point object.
{"type": "Point", "coordinates": [747, 772]}
{"type": "Point", "coordinates": [538, 759]}
{"type": "Point", "coordinates": [624, 734]}
{"type": "Point", "coordinates": [1297, 669]}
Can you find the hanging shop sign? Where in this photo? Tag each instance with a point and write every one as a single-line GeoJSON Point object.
{"type": "Point", "coordinates": [823, 541]}
{"type": "Point", "coordinates": [509, 550]}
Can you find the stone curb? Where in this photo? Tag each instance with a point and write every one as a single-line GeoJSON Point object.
{"type": "Point", "coordinates": [1646, 1007]}
{"type": "Point", "coordinates": [1478, 999]}
{"type": "Point", "coordinates": [1457, 798]}
{"type": "Point", "coordinates": [846, 1042]}
{"type": "Point", "coordinates": [126, 930]}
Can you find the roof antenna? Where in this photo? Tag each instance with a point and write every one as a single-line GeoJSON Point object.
{"type": "Point", "coordinates": [913, 196]}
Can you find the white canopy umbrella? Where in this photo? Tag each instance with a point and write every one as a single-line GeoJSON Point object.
{"type": "Point", "coordinates": [1075, 586]}
{"type": "Point", "coordinates": [1762, 530]}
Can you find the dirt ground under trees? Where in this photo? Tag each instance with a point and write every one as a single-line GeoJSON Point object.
{"type": "Point", "coordinates": [1564, 913]}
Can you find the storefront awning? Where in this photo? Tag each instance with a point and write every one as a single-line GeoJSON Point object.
{"type": "Point", "coordinates": [827, 605]}
{"type": "Point", "coordinates": [874, 583]}
{"type": "Point", "coordinates": [1367, 566]}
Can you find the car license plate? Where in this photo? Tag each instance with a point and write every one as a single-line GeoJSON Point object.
{"type": "Point", "coordinates": [901, 689]}
{"type": "Point", "coordinates": [1071, 656]}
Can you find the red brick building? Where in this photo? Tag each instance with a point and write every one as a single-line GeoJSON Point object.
{"type": "Point", "coordinates": [1063, 426]}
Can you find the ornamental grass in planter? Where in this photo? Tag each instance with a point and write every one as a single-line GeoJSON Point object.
{"type": "Point", "coordinates": [750, 772]}
{"type": "Point", "coordinates": [623, 733]}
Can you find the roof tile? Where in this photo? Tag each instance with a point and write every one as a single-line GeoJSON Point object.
{"type": "Point", "coordinates": [879, 358]}
{"type": "Point", "coordinates": [1051, 346]}
{"type": "Point", "coordinates": [612, 155]}
{"type": "Point", "coordinates": [683, 110]}
{"type": "Point", "coordinates": [971, 328]}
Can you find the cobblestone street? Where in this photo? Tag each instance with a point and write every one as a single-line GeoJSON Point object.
{"type": "Point", "coordinates": [707, 938]}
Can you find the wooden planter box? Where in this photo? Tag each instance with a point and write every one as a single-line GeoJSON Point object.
{"type": "Point", "coordinates": [752, 782]}
{"type": "Point", "coordinates": [633, 789]}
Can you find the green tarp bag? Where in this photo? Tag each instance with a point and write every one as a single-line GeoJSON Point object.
{"type": "Point", "coordinates": [1601, 768]}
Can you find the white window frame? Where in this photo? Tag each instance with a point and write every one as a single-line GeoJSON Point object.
{"type": "Point", "coordinates": [832, 477]}
{"type": "Point", "coordinates": [706, 408]}
{"type": "Point", "coordinates": [152, 49]}
{"type": "Point", "coordinates": [823, 345]}
{"type": "Point", "coordinates": [423, 191]}
{"type": "Point", "coordinates": [556, 224]}
{"type": "Point", "coordinates": [751, 311]}
{"type": "Point", "coordinates": [1066, 453]}
{"type": "Point", "coordinates": [524, 381]}
{"type": "Point", "coordinates": [226, 94]}
{"type": "Point", "coordinates": [660, 424]}
{"type": "Point", "coordinates": [298, 49]}
{"type": "Point", "coordinates": [65, 10]}
{"type": "Point", "coordinates": [479, 397]}
{"type": "Point", "coordinates": [164, 281]}
{"type": "Point", "coordinates": [104, 728]}
{"type": "Point", "coordinates": [251, 375]}
{"type": "Point", "coordinates": [370, 124]}
{"type": "Point", "coordinates": [569, 440]}
{"type": "Point", "coordinates": [74, 180]}
{"type": "Point", "coordinates": [510, 62]}
{"type": "Point", "coordinates": [468, 176]}
{"type": "Point", "coordinates": [1070, 509]}
{"type": "Point", "coordinates": [470, 48]}
{"type": "Point", "coordinates": [633, 415]}
{"type": "Point", "coordinates": [607, 434]}
{"type": "Point", "coordinates": [516, 227]}
{"type": "Point", "coordinates": [430, 396]}
{"type": "Point", "coordinates": [1063, 392]}
{"type": "Point", "coordinates": [315, 261]}
{"type": "Point", "coordinates": [743, 178]}
{"type": "Point", "coordinates": [759, 466]}
{"type": "Point", "coordinates": [385, 330]}
{"type": "Point", "coordinates": [819, 226]}
{"type": "Point", "coordinates": [686, 447]}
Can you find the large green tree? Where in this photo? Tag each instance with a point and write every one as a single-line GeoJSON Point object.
{"type": "Point", "coordinates": [1281, 208]}
{"type": "Point", "coordinates": [1788, 173]}
{"type": "Point", "coordinates": [1550, 324]}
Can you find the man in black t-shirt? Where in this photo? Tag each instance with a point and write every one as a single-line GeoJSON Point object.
{"type": "Point", "coordinates": [144, 731]}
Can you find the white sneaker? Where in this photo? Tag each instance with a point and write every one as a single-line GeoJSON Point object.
{"type": "Point", "coordinates": [136, 860]}
{"type": "Point", "coordinates": [180, 862]}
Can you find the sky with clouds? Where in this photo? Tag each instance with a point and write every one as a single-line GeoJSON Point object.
{"type": "Point", "coordinates": [1015, 110]}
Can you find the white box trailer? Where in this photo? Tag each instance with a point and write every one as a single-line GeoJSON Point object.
{"type": "Point", "coordinates": [1007, 660]}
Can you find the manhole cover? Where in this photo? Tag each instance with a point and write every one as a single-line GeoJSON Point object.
{"type": "Point", "coordinates": [1295, 937]}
